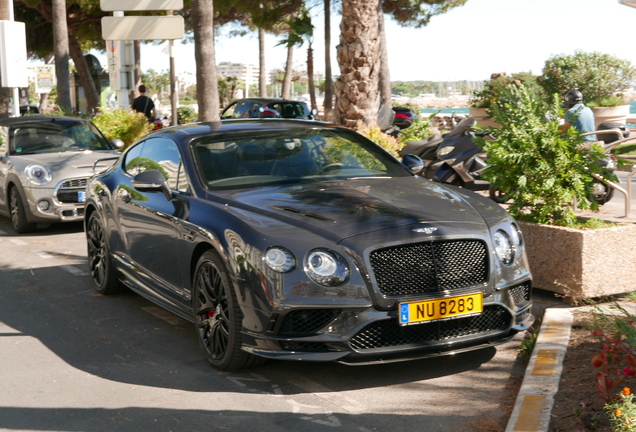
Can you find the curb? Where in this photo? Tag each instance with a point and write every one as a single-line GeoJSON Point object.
{"type": "Point", "coordinates": [533, 406]}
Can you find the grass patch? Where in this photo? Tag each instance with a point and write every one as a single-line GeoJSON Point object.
{"type": "Point", "coordinates": [625, 149]}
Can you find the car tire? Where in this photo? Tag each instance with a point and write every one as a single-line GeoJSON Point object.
{"type": "Point", "coordinates": [603, 192]}
{"type": "Point", "coordinates": [103, 274]}
{"type": "Point", "coordinates": [217, 316]}
{"type": "Point", "coordinates": [18, 213]}
{"type": "Point", "coordinates": [497, 195]}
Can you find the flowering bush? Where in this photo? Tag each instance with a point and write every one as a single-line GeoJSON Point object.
{"type": "Point", "coordinates": [616, 365]}
{"type": "Point", "coordinates": [622, 412]}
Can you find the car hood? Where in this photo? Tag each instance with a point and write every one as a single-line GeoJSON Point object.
{"type": "Point", "coordinates": [341, 209]}
{"type": "Point", "coordinates": [65, 165]}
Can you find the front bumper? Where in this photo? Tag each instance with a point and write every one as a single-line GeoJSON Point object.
{"type": "Point", "coordinates": [366, 336]}
{"type": "Point", "coordinates": [59, 204]}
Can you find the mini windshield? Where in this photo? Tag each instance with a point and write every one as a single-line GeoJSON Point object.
{"type": "Point", "coordinates": [243, 160]}
{"type": "Point", "coordinates": [56, 136]}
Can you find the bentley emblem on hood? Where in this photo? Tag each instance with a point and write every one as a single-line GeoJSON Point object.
{"type": "Point", "coordinates": [425, 230]}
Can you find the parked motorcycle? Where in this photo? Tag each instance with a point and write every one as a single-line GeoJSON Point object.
{"type": "Point", "coordinates": [452, 158]}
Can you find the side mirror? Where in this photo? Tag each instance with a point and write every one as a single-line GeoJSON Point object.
{"type": "Point", "coordinates": [413, 162]}
{"type": "Point", "coordinates": [152, 181]}
{"type": "Point", "coordinates": [118, 144]}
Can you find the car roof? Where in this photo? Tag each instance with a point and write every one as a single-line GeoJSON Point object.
{"type": "Point", "coordinates": [265, 100]}
{"type": "Point", "coordinates": [10, 121]}
{"type": "Point", "coordinates": [232, 126]}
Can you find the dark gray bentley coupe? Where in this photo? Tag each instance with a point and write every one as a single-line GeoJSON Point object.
{"type": "Point", "coordinates": [300, 240]}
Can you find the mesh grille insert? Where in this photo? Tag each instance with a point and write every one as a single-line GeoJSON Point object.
{"type": "Point", "coordinates": [430, 267]}
{"type": "Point", "coordinates": [307, 321]}
{"type": "Point", "coordinates": [388, 333]}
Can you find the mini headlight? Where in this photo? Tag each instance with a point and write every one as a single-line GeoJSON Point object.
{"type": "Point", "coordinates": [504, 248]}
{"type": "Point", "coordinates": [517, 237]}
{"type": "Point", "coordinates": [280, 259]}
{"type": "Point", "coordinates": [38, 174]}
{"type": "Point", "coordinates": [326, 268]}
{"type": "Point", "coordinates": [445, 150]}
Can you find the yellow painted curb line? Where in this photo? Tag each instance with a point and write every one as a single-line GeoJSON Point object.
{"type": "Point", "coordinates": [534, 402]}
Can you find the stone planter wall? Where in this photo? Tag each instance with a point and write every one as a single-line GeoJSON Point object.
{"type": "Point", "coordinates": [480, 115]}
{"type": "Point", "coordinates": [610, 114]}
{"type": "Point", "coordinates": [582, 263]}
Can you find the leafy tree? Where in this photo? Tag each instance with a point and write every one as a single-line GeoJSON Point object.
{"type": "Point", "coordinates": [596, 75]}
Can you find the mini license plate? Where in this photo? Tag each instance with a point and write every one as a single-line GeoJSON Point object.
{"type": "Point", "coordinates": [440, 309]}
{"type": "Point", "coordinates": [81, 196]}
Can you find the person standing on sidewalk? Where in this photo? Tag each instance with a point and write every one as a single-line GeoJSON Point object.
{"type": "Point", "coordinates": [578, 115]}
{"type": "Point", "coordinates": [145, 105]}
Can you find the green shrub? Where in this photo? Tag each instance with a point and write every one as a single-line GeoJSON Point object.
{"type": "Point", "coordinates": [597, 76]}
{"type": "Point", "coordinates": [419, 130]}
{"type": "Point", "coordinates": [126, 125]}
{"type": "Point", "coordinates": [538, 167]}
{"type": "Point", "coordinates": [186, 115]}
{"type": "Point", "coordinates": [493, 88]}
{"type": "Point", "coordinates": [375, 134]}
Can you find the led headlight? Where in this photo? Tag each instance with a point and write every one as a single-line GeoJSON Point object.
{"type": "Point", "coordinates": [38, 174]}
{"type": "Point", "coordinates": [517, 237]}
{"type": "Point", "coordinates": [280, 259]}
{"type": "Point", "coordinates": [445, 150]}
{"type": "Point", "coordinates": [504, 248]}
{"type": "Point", "coordinates": [326, 268]}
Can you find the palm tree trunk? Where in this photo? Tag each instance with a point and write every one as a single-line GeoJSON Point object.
{"type": "Point", "coordinates": [61, 49]}
{"type": "Point", "coordinates": [137, 67]}
{"type": "Point", "coordinates": [262, 73]}
{"type": "Point", "coordinates": [310, 77]}
{"type": "Point", "coordinates": [5, 93]}
{"type": "Point", "coordinates": [357, 88]}
{"type": "Point", "coordinates": [328, 104]}
{"type": "Point", "coordinates": [289, 72]}
{"type": "Point", "coordinates": [207, 81]}
{"type": "Point", "coordinates": [385, 75]}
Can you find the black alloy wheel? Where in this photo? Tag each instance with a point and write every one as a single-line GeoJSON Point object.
{"type": "Point", "coordinates": [103, 274]}
{"type": "Point", "coordinates": [18, 213]}
{"type": "Point", "coordinates": [217, 316]}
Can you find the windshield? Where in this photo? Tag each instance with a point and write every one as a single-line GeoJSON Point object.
{"type": "Point", "coordinates": [233, 161]}
{"type": "Point", "coordinates": [56, 136]}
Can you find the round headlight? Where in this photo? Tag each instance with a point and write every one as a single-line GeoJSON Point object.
{"type": "Point", "coordinates": [445, 150]}
{"type": "Point", "coordinates": [38, 174]}
{"type": "Point", "coordinates": [504, 248]}
{"type": "Point", "coordinates": [517, 237]}
{"type": "Point", "coordinates": [326, 268]}
{"type": "Point", "coordinates": [280, 259]}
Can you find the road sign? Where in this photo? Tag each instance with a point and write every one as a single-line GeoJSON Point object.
{"type": "Point", "coordinates": [142, 27]}
{"type": "Point", "coordinates": [140, 5]}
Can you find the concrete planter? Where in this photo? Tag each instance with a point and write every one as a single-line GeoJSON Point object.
{"type": "Point", "coordinates": [582, 263]}
{"type": "Point", "coordinates": [480, 115]}
{"type": "Point", "coordinates": [610, 114]}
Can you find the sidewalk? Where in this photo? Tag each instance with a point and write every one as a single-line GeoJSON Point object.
{"type": "Point", "coordinates": [533, 406]}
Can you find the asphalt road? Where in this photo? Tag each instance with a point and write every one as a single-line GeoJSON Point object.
{"type": "Point", "coordinates": [72, 360]}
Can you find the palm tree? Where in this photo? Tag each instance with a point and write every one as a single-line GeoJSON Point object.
{"type": "Point", "coordinates": [207, 80]}
{"type": "Point", "coordinates": [61, 50]}
{"type": "Point", "coordinates": [357, 88]}
{"type": "Point", "coordinates": [328, 102]}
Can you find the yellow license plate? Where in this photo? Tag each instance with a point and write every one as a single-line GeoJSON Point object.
{"type": "Point", "coordinates": [440, 309]}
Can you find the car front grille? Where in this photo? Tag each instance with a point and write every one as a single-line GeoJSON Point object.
{"type": "Point", "coordinates": [521, 293]}
{"type": "Point", "coordinates": [388, 333]}
{"type": "Point", "coordinates": [430, 267]}
{"type": "Point", "coordinates": [68, 189]}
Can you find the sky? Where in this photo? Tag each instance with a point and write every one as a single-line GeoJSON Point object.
{"type": "Point", "coordinates": [468, 43]}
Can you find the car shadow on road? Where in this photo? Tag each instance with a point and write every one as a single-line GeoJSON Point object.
{"type": "Point", "coordinates": [42, 229]}
{"type": "Point", "coordinates": [127, 339]}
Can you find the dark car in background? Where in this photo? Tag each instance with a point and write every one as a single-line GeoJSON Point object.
{"type": "Point", "coordinates": [45, 162]}
{"type": "Point", "coordinates": [301, 240]}
{"type": "Point", "coordinates": [267, 108]}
